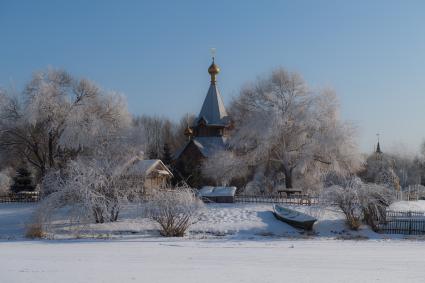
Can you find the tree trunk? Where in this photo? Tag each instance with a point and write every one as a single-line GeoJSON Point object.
{"type": "Point", "coordinates": [288, 177]}
{"type": "Point", "coordinates": [51, 160]}
{"type": "Point", "coordinates": [98, 215]}
{"type": "Point", "coordinates": [288, 181]}
{"type": "Point", "coordinates": [114, 214]}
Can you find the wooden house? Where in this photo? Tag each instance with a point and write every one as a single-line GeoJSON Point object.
{"type": "Point", "coordinates": [152, 172]}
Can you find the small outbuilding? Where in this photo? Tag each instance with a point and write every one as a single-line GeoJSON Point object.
{"type": "Point", "coordinates": [154, 172]}
{"type": "Point", "coordinates": [217, 194]}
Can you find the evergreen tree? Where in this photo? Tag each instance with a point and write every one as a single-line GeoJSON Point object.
{"type": "Point", "coordinates": [166, 156]}
{"type": "Point", "coordinates": [152, 153]}
{"type": "Point", "coordinates": [23, 181]}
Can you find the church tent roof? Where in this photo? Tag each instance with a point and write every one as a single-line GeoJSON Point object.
{"type": "Point", "coordinates": [213, 110]}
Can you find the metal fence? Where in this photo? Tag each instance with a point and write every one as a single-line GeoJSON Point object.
{"type": "Point", "coordinates": [403, 222]}
{"type": "Point", "coordinates": [295, 199]}
{"type": "Point", "coordinates": [20, 197]}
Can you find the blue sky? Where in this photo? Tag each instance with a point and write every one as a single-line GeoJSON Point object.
{"type": "Point", "coordinates": [157, 53]}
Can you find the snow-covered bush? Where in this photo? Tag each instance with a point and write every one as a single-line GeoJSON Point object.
{"type": "Point", "coordinates": [35, 229]}
{"type": "Point", "coordinates": [346, 197]}
{"type": "Point", "coordinates": [174, 210]}
{"type": "Point", "coordinates": [5, 182]}
{"type": "Point", "coordinates": [92, 189]}
{"type": "Point", "coordinates": [374, 201]}
{"type": "Point", "coordinates": [359, 201]}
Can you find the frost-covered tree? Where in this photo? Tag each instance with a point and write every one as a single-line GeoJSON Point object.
{"type": "Point", "coordinates": [379, 169]}
{"type": "Point", "coordinates": [224, 166]}
{"type": "Point", "coordinates": [56, 118]}
{"type": "Point", "coordinates": [5, 182]}
{"type": "Point", "coordinates": [158, 131]}
{"type": "Point", "coordinates": [280, 122]}
{"type": "Point", "coordinates": [94, 187]}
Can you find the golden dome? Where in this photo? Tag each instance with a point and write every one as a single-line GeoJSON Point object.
{"type": "Point", "coordinates": [213, 70]}
{"type": "Point", "coordinates": [188, 132]}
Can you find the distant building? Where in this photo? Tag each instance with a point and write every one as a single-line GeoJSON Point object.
{"type": "Point", "coordinates": [380, 169]}
{"type": "Point", "coordinates": [207, 135]}
{"type": "Point", "coordinates": [154, 173]}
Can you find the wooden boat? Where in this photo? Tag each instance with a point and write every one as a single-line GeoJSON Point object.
{"type": "Point", "coordinates": [294, 218]}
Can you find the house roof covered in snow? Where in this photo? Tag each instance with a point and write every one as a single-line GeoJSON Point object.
{"type": "Point", "coordinates": [209, 191]}
{"type": "Point", "coordinates": [210, 145]}
{"type": "Point", "coordinates": [147, 166]}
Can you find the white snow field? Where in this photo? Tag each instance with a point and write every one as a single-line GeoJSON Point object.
{"type": "Point", "coordinates": [231, 243]}
{"type": "Point", "coordinates": [211, 261]}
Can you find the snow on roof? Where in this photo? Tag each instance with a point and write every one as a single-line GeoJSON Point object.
{"type": "Point", "coordinates": [213, 110]}
{"type": "Point", "coordinates": [209, 191]}
{"type": "Point", "coordinates": [207, 145]}
{"type": "Point", "coordinates": [210, 145]}
{"type": "Point", "coordinates": [146, 166]}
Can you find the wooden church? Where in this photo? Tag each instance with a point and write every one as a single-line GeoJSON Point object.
{"type": "Point", "coordinates": [206, 136]}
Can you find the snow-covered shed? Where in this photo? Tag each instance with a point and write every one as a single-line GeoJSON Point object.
{"type": "Point", "coordinates": [217, 194]}
{"type": "Point", "coordinates": [155, 173]}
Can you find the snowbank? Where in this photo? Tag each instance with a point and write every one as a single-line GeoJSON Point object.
{"type": "Point", "coordinates": [418, 205]}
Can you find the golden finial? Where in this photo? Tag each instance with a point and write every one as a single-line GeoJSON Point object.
{"type": "Point", "coordinates": [188, 132]}
{"type": "Point", "coordinates": [213, 70]}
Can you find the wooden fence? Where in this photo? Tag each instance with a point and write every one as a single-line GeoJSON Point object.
{"type": "Point", "coordinates": [414, 192]}
{"type": "Point", "coordinates": [294, 199]}
{"type": "Point", "coordinates": [20, 197]}
{"type": "Point", "coordinates": [403, 222]}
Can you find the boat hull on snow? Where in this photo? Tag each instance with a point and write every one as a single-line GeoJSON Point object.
{"type": "Point", "coordinates": [294, 218]}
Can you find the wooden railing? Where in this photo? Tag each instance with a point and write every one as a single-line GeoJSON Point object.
{"type": "Point", "coordinates": [20, 197]}
{"type": "Point", "coordinates": [293, 199]}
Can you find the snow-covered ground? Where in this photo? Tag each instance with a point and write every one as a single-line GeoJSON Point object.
{"type": "Point", "coordinates": [418, 205]}
{"type": "Point", "coordinates": [212, 261]}
{"type": "Point", "coordinates": [223, 221]}
{"type": "Point", "coordinates": [231, 243]}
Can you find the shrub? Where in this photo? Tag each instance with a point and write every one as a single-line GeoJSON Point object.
{"type": "Point", "coordinates": [175, 210]}
{"type": "Point", "coordinates": [90, 189]}
{"type": "Point", "coordinates": [359, 201]}
{"type": "Point", "coordinates": [374, 201]}
{"type": "Point", "coordinates": [34, 231]}
{"type": "Point", "coordinates": [346, 198]}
